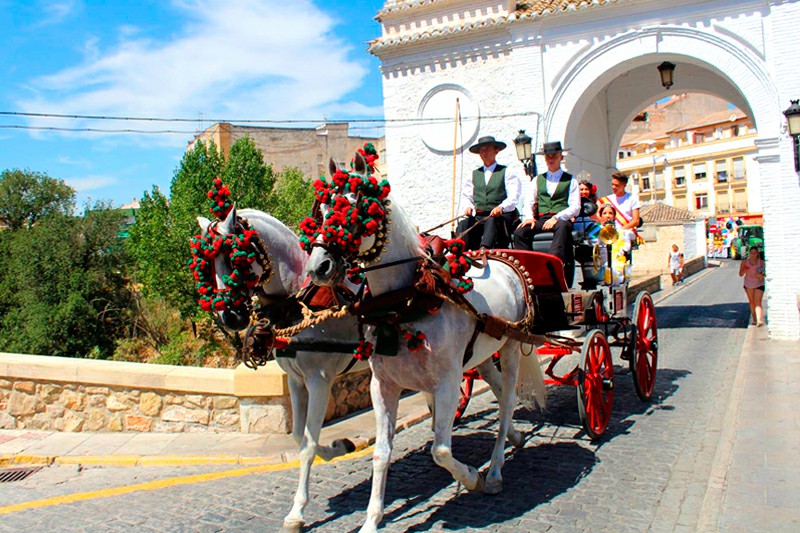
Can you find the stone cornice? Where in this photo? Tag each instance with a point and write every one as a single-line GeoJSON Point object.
{"type": "Point", "coordinates": [526, 12]}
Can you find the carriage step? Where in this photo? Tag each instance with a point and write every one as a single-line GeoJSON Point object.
{"type": "Point", "coordinates": [608, 384]}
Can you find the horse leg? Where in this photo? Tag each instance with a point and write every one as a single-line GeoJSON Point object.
{"type": "Point", "coordinates": [298, 393]}
{"type": "Point", "coordinates": [509, 359]}
{"type": "Point", "coordinates": [491, 375]}
{"type": "Point", "coordinates": [446, 402]}
{"type": "Point", "coordinates": [385, 399]}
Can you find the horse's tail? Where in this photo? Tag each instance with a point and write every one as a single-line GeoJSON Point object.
{"type": "Point", "coordinates": [531, 389]}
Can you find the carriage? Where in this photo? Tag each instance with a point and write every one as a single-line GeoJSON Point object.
{"type": "Point", "coordinates": [602, 314]}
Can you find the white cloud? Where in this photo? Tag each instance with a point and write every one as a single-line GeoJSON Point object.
{"type": "Point", "coordinates": [58, 12]}
{"type": "Point", "coordinates": [249, 59]}
{"type": "Point", "coordinates": [90, 183]}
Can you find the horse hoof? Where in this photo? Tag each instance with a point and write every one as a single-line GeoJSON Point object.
{"type": "Point", "coordinates": [292, 526]}
{"type": "Point", "coordinates": [347, 444]}
{"type": "Point", "coordinates": [493, 487]}
{"type": "Point", "coordinates": [479, 484]}
{"type": "Point", "coordinates": [518, 439]}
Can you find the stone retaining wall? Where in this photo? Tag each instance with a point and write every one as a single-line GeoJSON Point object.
{"type": "Point", "coordinates": [64, 394]}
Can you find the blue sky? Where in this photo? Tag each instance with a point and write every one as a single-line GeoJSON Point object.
{"type": "Point", "coordinates": [200, 60]}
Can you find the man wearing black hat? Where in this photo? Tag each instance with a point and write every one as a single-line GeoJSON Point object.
{"type": "Point", "coordinates": [491, 196]}
{"type": "Point", "coordinates": [550, 205]}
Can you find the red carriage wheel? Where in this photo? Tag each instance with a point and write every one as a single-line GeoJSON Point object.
{"type": "Point", "coordinates": [595, 384]}
{"type": "Point", "coordinates": [644, 360]}
{"type": "Point", "coordinates": [467, 381]}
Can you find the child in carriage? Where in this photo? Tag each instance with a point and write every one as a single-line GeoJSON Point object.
{"type": "Point", "coordinates": [621, 248]}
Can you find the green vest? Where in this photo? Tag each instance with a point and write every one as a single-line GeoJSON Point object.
{"type": "Point", "coordinates": [559, 200]}
{"type": "Point", "coordinates": [487, 196]}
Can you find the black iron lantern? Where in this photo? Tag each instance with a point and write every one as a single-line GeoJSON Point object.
{"type": "Point", "coordinates": [523, 144]}
{"type": "Point", "coordinates": [666, 70]}
{"type": "Point", "coordinates": [793, 119]}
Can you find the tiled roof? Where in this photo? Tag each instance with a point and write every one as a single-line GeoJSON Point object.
{"type": "Point", "coordinates": [540, 8]}
{"type": "Point", "coordinates": [659, 212]}
{"type": "Point", "coordinates": [720, 117]}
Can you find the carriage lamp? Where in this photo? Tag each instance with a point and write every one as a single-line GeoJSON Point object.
{"type": "Point", "coordinates": [793, 118]}
{"type": "Point", "coordinates": [666, 70]}
{"type": "Point", "coordinates": [523, 144]}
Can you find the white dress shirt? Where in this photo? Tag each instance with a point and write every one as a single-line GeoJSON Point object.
{"type": "Point", "coordinates": [512, 183]}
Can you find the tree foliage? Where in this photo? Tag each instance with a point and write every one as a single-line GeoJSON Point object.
{"type": "Point", "coordinates": [292, 198]}
{"type": "Point", "coordinates": [63, 289]}
{"type": "Point", "coordinates": [26, 196]}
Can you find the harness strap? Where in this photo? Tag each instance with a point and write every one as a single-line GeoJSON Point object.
{"type": "Point", "coordinates": [470, 349]}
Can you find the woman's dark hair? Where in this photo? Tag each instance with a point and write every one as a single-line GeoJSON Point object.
{"type": "Point", "coordinates": [592, 189]}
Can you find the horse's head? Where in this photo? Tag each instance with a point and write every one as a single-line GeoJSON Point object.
{"type": "Point", "coordinates": [226, 269]}
{"type": "Point", "coordinates": [352, 225]}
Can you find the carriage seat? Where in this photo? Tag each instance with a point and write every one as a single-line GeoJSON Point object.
{"type": "Point", "coordinates": [541, 241]}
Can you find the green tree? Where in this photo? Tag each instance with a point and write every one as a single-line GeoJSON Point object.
{"type": "Point", "coordinates": [64, 291]}
{"type": "Point", "coordinates": [248, 177]}
{"type": "Point", "coordinates": [26, 196]}
{"type": "Point", "coordinates": [292, 198]}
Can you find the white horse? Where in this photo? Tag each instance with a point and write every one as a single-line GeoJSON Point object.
{"type": "Point", "coordinates": [311, 374]}
{"type": "Point", "coordinates": [437, 368]}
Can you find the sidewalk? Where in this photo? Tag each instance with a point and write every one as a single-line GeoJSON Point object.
{"type": "Point", "coordinates": [755, 481]}
{"type": "Point", "coordinates": [25, 447]}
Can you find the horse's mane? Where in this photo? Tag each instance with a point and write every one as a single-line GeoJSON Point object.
{"type": "Point", "coordinates": [281, 242]}
{"type": "Point", "coordinates": [404, 232]}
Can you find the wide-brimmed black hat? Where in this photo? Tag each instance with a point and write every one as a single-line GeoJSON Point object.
{"type": "Point", "coordinates": [483, 141]}
{"type": "Point", "coordinates": [552, 148]}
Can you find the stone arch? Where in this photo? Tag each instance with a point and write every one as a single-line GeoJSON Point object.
{"type": "Point", "coordinates": [734, 62]}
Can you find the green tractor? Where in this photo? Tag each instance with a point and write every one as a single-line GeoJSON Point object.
{"type": "Point", "coordinates": [746, 237]}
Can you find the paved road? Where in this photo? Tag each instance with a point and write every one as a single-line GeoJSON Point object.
{"type": "Point", "coordinates": [650, 471]}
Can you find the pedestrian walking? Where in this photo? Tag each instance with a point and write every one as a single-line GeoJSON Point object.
{"type": "Point", "coordinates": [675, 262]}
{"type": "Point", "coordinates": [752, 269]}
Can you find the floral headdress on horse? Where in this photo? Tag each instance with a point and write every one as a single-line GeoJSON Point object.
{"type": "Point", "coordinates": [358, 207]}
{"type": "Point", "coordinates": [239, 248]}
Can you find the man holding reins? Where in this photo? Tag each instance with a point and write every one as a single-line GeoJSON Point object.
{"type": "Point", "coordinates": [491, 197]}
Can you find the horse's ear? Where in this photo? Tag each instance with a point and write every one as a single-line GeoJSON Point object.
{"type": "Point", "coordinates": [332, 166]}
{"type": "Point", "coordinates": [360, 164]}
{"type": "Point", "coordinates": [204, 224]}
{"type": "Point", "coordinates": [226, 227]}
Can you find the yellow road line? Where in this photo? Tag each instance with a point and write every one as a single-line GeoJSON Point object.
{"type": "Point", "coordinates": [164, 483]}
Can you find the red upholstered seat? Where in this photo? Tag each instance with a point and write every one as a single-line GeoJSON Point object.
{"type": "Point", "coordinates": [546, 270]}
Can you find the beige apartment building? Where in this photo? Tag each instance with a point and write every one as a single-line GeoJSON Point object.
{"type": "Point", "coordinates": [308, 149]}
{"type": "Point", "coordinates": [694, 152]}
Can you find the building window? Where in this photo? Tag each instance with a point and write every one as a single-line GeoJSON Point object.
{"type": "Point", "coordinates": [721, 169]}
{"type": "Point", "coordinates": [701, 201]}
{"type": "Point", "coordinates": [680, 177]}
{"type": "Point", "coordinates": [735, 130]}
{"type": "Point", "coordinates": [740, 201]}
{"type": "Point", "coordinates": [621, 154]}
{"type": "Point", "coordinates": [699, 171]}
{"type": "Point", "coordinates": [645, 185]}
{"type": "Point", "coordinates": [699, 138]}
{"type": "Point", "coordinates": [658, 182]}
{"type": "Point", "coordinates": [738, 168]}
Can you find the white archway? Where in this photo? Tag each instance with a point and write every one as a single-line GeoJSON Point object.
{"type": "Point", "coordinates": [588, 93]}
